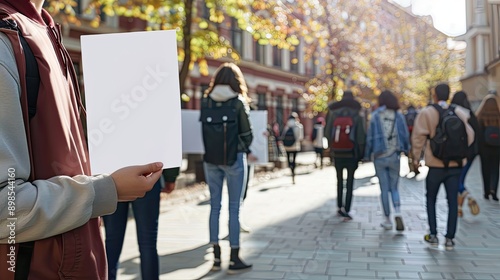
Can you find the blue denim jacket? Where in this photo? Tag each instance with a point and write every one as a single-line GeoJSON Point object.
{"type": "Point", "coordinates": [376, 143]}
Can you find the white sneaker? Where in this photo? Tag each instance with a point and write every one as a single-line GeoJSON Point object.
{"type": "Point", "coordinates": [244, 228]}
{"type": "Point", "coordinates": [387, 225]}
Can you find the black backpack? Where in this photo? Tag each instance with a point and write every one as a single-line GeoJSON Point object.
{"type": "Point", "coordinates": [492, 136]}
{"type": "Point", "coordinates": [289, 137]}
{"type": "Point", "coordinates": [220, 131]}
{"type": "Point", "coordinates": [450, 142]}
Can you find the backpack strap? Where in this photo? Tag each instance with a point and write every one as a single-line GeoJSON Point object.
{"type": "Point", "coordinates": [440, 111]}
{"type": "Point", "coordinates": [32, 74]}
{"type": "Point", "coordinates": [25, 252]}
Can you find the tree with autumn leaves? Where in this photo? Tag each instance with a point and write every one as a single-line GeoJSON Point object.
{"type": "Point", "coordinates": [197, 24]}
{"type": "Point", "coordinates": [348, 39]}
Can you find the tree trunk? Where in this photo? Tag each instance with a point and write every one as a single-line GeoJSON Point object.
{"type": "Point", "coordinates": [187, 45]}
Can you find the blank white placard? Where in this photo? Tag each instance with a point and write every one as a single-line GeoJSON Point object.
{"type": "Point", "coordinates": [132, 98]}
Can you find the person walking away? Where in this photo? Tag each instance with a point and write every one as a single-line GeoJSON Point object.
{"type": "Point", "coordinates": [293, 134]}
{"type": "Point", "coordinates": [146, 213]}
{"type": "Point", "coordinates": [387, 138]}
{"type": "Point", "coordinates": [410, 116]}
{"type": "Point", "coordinates": [346, 136]}
{"type": "Point", "coordinates": [45, 160]}
{"type": "Point", "coordinates": [227, 135]}
{"type": "Point", "coordinates": [460, 98]}
{"type": "Point", "coordinates": [444, 155]}
{"type": "Point", "coordinates": [318, 140]}
{"type": "Point", "coordinates": [488, 115]}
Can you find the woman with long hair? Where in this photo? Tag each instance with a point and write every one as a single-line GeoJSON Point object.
{"type": "Point", "coordinates": [460, 98]}
{"type": "Point", "coordinates": [488, 116]}
{"type": "Point", "coordinates": [226, 153]}
{"type": "Point", "coordinates": [387, 138]}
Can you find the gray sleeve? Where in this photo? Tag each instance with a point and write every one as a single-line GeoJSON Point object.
{"type": "Point", "coordinates": [42, 208]}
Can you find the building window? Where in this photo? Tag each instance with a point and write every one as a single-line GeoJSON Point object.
{"type": "Point", "coordinates": [315, 62]}
{"type": "Point", "coordinates": [295, 105]}
{"type": "Point", "coordinates": [78, 7]}
{"type": "Point", "coordinates": [294, 60]}
{"type": "Point", "coordinates": [277, 56]}
{"type": "Point", "coordinates": [260, 54]}
{"type": "Point", "coordinates": [261, 101]}
{"type": "Point", "coordinates": [236, 36]}
{"type": "Point", "coordinates": [279, 111]}
{"type": "Point", "coordinates": [205, 12]}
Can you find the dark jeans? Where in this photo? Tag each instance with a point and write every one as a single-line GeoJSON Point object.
{"type": "Point", "coordinates": [351, 164]}
{"type": "Point", "coordinates": [490, 161]}
{"type": "Point", "coordinates": [146, 211]}
{"type": "Point", "coordinates": [450, 177]}
{"type": "Point", "coordinates": [291, 156]}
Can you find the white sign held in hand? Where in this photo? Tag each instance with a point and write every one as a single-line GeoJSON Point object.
{"type": "Point", "coordinates": [132, 98]}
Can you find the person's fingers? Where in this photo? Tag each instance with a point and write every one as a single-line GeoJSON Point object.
{"type": "Point", "coordinates": [149, 168]}
{"type": "Point", "coordinates": [153, 177]}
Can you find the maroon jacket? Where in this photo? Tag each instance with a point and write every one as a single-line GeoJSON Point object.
{"type": "Point", "coordinates": [57, 145]}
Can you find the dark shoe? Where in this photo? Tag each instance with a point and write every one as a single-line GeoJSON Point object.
{"type": "Point", "coordinates": [399, 223]}
{"type": "Point", "coordinates": [237, 265]}
{"type": "Point", "coordinates": [431, 239]}
{"type": "Point", "coordinates": [217, 262]}
{"type": "Point", "coordinates": [341, 212]}
{"type": "Point", "coordinates": [494, 196]}
{"type": "Point", "coordinates": [449, 244]}
{"type": "Point", "coordinates": [487, 196]}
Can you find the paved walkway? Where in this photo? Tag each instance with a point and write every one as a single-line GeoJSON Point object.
{"type": "Point", "coordinates": [297, 235]}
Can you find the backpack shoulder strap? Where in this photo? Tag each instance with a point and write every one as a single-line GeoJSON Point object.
{"type": "Point", "coordinates": [32, 74]}
{"type": "Point", "coordinates": [32, 86]}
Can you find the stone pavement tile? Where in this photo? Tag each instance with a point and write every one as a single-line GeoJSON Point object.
{"type": "Point", "coordinates": [316, 267]}
{"type": "Point", "coordinates": [444, 268]}
{"type": "Point", "coordinates": [483, 276]}
{"type": "Point", "coordinates": [291, 262]}
{"type": "Point", "coordinates": [289, 268]}
{"type": "Point", "coordinates": [432, 275]}
{"type": "Point", "coordinates": [462, 276]}
{"type": "Point", "coordinates": [386, 274]}
{"type": "Point", "coordinates": [349, 264]}
{"type": "Point", "coordinates": [364, 273]}
{"type": "Point", "coordinates": [336, 271]}
{"type": "Point", "coordinates": [304, 276]}
{"type": "Point", "coordinates": [408, 275]}
{"type": "Point", "coordinates": [266, 275]}
{"type": "Point", "coordinates": [396, 268]}
{"type": "Point", "coordinates": [332, 255]}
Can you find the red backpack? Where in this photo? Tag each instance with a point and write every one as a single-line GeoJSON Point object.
{"type": "Point", "coordinates": [343, 134]}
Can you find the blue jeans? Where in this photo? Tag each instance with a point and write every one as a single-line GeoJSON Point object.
{"type": "Point", "coordinates": [450, 177]}
{"type": "Point", "coordinates": [463, 174]}
{"type": "Point", "coordinates": [236, 178]}
{"type": "Point", "coordinates": [387, 170]}
{"type": "Point", "coordinates": [146, 211]}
